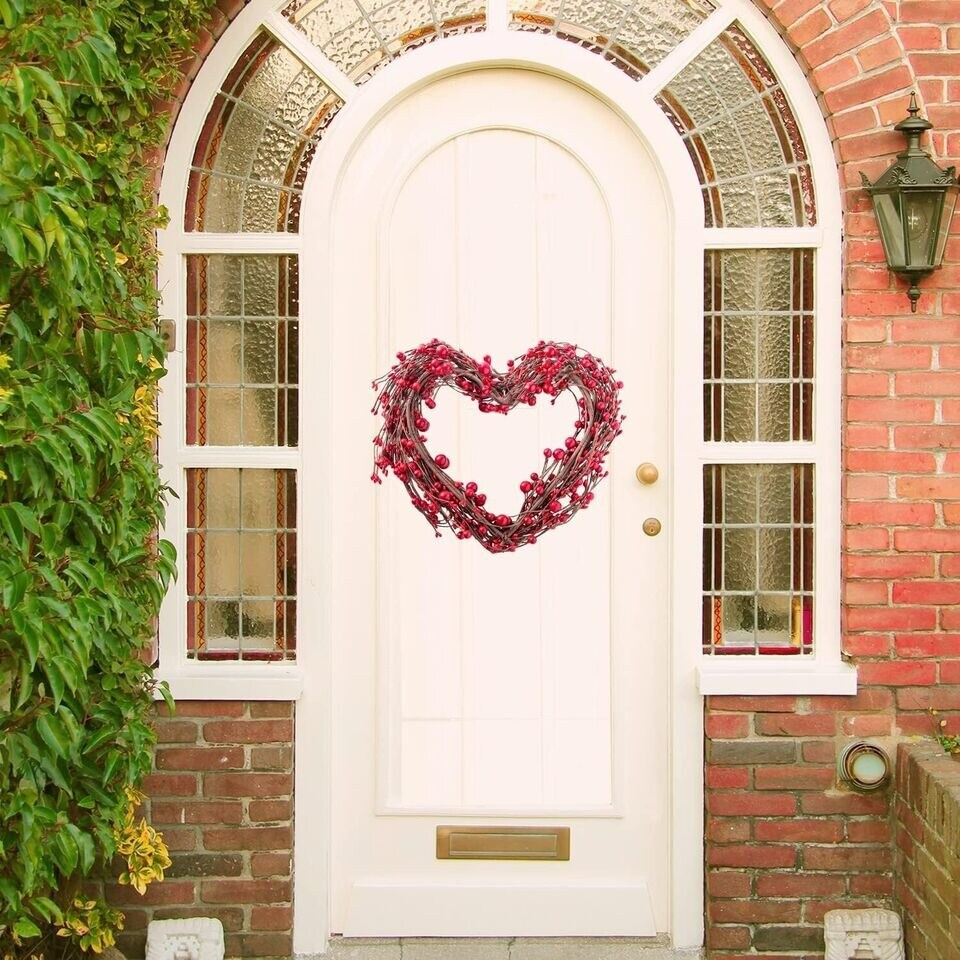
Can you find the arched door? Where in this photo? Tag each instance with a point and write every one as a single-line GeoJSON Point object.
{"type": "Point", "coordinates": [491, 209]}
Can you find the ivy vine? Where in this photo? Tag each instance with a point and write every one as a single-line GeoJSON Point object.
{"type": "Point", "coordinates": [81, 570]}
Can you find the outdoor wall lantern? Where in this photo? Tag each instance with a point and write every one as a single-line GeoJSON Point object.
{"type": "Point", "coordinates": [914, 203]}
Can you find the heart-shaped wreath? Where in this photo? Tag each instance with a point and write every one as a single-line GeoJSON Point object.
{"type": "Point", "coordinates": [565, 482]}
{"type": "Point", "coordinates": [569, 473]}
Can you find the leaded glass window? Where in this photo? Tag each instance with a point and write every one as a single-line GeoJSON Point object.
{"type": "Point", "coordinates": [242, 351]}
{"type": "Point", "coordinates": [742, 137]}
{"type": "Point", "coordinates": [758, 347]}
{"type": "Point", "coordinates": [241, 564]}
{"type": "Point", "coordinates": [257, 142]}
{"type": "Point", "coordinates": [758, 558]}
{"type": "Point", "coordinates": [634, 36]}
{"type": "Point", "coordinates": [359, 38]}
{"type": "Point", "coordinates": [758, 389]}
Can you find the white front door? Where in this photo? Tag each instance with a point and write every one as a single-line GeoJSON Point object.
{"type": "Point", "coordinates": [492, 209]}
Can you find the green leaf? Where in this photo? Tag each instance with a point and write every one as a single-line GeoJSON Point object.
{"type": "Point", "coordinates": [26, 928]}
{"type": "Point", "coordinates": [65, 850]}
{"type": "Point", "coordinates": [24, 85]}
{"type": "Point", "coordinates": [54, 677]}
{"type": "Point", "coordinates": [13, 242]}
{"type": "Point", "coordinates": [47, 909]}
{"type": "Point", "coordinates": [54, 736]}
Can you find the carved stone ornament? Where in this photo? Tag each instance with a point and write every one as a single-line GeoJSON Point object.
{"type": "Point", "coordinates": [863, 935]}
{"type": "Point", "coordinates": [197, 938]}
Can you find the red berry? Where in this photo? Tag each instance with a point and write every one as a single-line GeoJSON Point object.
{"type": "Point", "coordinates": [442, 461]}
{"type": "Point", "coordinates": [555, 506]}
{"type": "Point", "coordinates": [526, 486]}
{"type": "Point", "coordinates": [422, 423]}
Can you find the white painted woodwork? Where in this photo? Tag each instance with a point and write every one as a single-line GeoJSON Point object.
{"type": "Point", "coordinates": [493, 209]}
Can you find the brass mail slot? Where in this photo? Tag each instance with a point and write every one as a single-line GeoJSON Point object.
{"type": "Point", "coordinates": [503, 843]}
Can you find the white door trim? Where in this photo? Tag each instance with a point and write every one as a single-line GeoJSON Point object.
{"type": "Point", "coordinates": [312, 761]}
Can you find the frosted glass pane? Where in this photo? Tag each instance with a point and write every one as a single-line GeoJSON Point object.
{"type": "Point", "coordinates": [259, 499]}
{"type": "Point", "coordinates": [758, 345]}
{"type": "Point", "coordinates": [240, 371]}
{"type": "Point", "coordinates": [249, 162]}
{"type": "Point", "coordinates": [634, 36]}
{"type": "Point", "coordinates": [743, 137]}
{"type": "Point", "coordinates": [241, 564]}
{"type": "Point", "coordinates": [596, 16]}
{"type": "Point", "coordinates": [223, 422]}
{"type": "Point", "coordinates": [260, 352]}
{"type": "Point", "coordinates": [223, 499]}
{"type": "Point", "coordinates": [758, 559]}
{"type": "Point", "coordinates": [775, 548]}
{"type": "Point", "coordinates": [739, 411]}
{"type": "Point", "coordinates": [773, 401]}
{"type": "Point", "coordinates": [739, 499]}
{"type": "Point", "coordinates": [223, 207]}
{"type": "Point", "coordinates": [359, 37]}
{"type": "Point", "coordinates": [773, 620]}
{"type": "Point", "coordinates": [739, 559]}
{"type": "Point", "coordinates": [739, 348]}
{"type": "Point", "coordinates": [775, 493]}
{"type": "Point", "coordinates": [224, 343]}
{"type": "Point", "coordinates": [223, 563]}
{"type": "Point", "coordinates": [222, 289]}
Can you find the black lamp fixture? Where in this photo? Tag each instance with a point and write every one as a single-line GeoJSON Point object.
{"type": "Point", "coordinates": [914, 203]}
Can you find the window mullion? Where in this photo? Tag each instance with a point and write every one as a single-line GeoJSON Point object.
{"type": "Point", "coordinates": [298, 44]}
{"type": "Point", "coordinates": [750, 238]}
{"type": "Point", "coordinates": [687, 51]}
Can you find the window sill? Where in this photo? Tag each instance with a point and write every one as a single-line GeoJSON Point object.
{"type": "Point", "coordinates": [770, 676]}
{"type": "Point", "coordinates": [233, 683]}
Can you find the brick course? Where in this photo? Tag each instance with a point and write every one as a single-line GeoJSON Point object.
{"type": "Point", "coordinates": [230, 834]}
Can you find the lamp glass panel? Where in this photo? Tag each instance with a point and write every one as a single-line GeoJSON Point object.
{"type": "Point", "coordinates": [946, 218]}
{"type": "Point", "coordinates": [891, 232]}
{"type": "Point", "coordinates": [920, 209]}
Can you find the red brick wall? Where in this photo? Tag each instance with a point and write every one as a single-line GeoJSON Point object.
{"type": "Point", "coordinates": [783, 843]}
{"type": "Point", "coordinates": [222, 794]}
{"type": "Point", "coordinates": [928, 851]}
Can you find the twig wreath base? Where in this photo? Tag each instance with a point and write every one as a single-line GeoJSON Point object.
{"type": "Point", "coordinates": [566, 480]}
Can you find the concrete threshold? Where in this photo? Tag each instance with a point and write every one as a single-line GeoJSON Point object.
{"type": "Point", "coordinates": [506, 948]}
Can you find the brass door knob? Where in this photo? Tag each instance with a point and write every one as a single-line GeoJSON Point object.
{"type": "Point", "coordinates": [647, 473]}
{"type": "Point", "coordinates": [651, 526]}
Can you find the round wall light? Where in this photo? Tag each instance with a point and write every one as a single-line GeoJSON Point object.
{"type": "Point", "coordinates": [864, 765]}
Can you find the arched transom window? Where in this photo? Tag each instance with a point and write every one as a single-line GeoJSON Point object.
{"type": "Point", "coordinates": [767, 443]}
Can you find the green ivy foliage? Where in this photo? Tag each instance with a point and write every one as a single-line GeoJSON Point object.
{"type": "Point", "coordinates": [81, 571]}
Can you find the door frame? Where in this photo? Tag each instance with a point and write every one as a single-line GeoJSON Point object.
{"type": "Point", "coordinates": [313, 769]}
